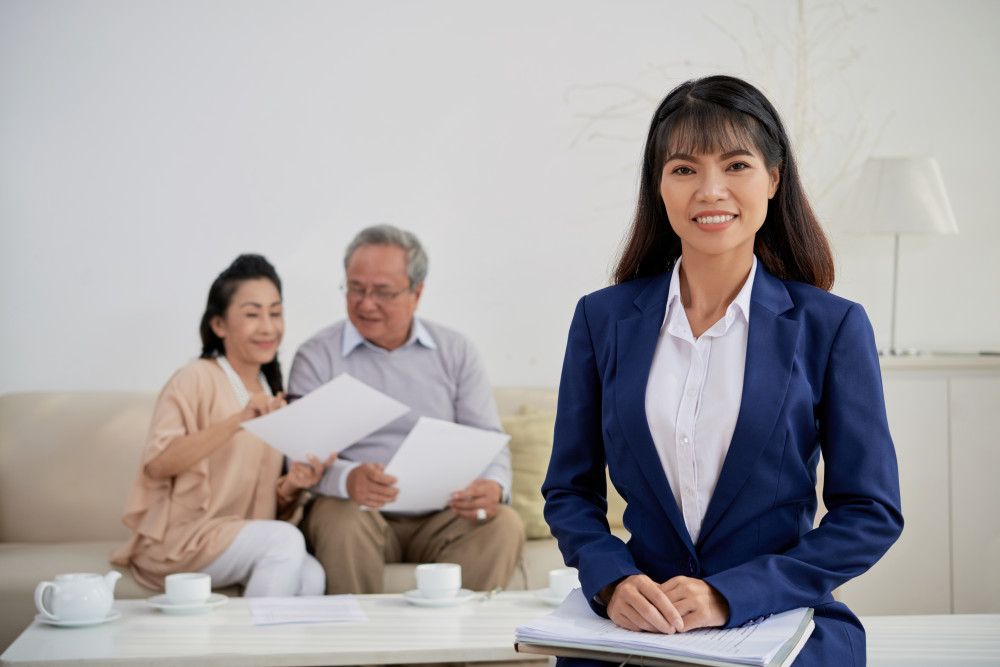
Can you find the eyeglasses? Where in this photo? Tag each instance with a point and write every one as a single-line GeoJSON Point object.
{"type": "Point", "coordinates": [379, 296]}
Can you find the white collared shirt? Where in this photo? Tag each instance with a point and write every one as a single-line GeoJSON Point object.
{"type": "Point", "coordinates": [693, 397]}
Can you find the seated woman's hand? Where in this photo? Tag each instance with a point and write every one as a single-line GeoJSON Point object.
{"type": "Point", "coordinates": [302, 475]}
{"type": "Point", "coordinates": [261, 404]}
{"type": "Point", "coordinates": [638, 603]}
{"type": "Point", "coordinates": [699, 604]}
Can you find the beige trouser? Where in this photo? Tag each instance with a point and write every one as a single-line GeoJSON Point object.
{"type": "Point", "coordinates": [354, 544]}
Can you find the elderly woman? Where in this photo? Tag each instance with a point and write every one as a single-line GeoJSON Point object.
{"type": "Point", "coordinates": [207, 492]}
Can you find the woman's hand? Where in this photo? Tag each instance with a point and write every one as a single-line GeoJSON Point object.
{"type": "Point", "coordinates": [638, 603]}
{"type": "Point", "coordinates": [261, 404]}
{"type": "Point", "coordinates": [700, 605]}
{"type": "Point", "coordinates": [302, 475]}
{"type": "Point", "coordinates": [678, 605]}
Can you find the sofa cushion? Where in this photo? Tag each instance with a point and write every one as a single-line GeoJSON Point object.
{"type": "Point", "coordinates": [88, 445]}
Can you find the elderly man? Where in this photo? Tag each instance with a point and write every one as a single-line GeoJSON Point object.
{"type": "Point", "coordinates": [437, 373]}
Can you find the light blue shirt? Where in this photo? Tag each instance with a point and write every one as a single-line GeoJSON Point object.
{"type": "Point", "coordinates": [436, 372]}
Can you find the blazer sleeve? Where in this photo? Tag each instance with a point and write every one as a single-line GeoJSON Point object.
{"type": "Point", "coordinates": [860, 490]}
{"type": "Point", "coordinates": [575, 487]}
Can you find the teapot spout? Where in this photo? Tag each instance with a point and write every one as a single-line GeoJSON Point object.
{"type": "Point", "coordinates": [111, 578]}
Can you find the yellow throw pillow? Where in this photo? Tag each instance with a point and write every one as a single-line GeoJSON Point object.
{"type": "Point", "coordinates": [530, 449]}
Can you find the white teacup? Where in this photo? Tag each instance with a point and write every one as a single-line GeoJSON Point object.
{"type": "Point", "coordinates": [188, 588]}
{"type": "Point", "coordinates": [439, 580]}
{"type": "Point", "coordinates": [562, 581]}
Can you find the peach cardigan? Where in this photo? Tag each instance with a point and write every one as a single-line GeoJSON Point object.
{"type": "Point", "coordinates": [183, 523]}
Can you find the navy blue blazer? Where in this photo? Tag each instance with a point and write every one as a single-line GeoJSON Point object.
{"type": "Point", "coordinates": [812, 386]}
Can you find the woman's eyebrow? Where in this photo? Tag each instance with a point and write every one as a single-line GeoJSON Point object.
{"type": "Point", "coordinates": [734, 153]}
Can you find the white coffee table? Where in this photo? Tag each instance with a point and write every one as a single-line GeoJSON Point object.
{"type": "Point", "coordinates": [396, 632]}
{"type": "Point", "coordinates": [955, 640]}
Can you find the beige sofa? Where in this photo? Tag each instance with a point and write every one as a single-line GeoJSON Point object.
{"type": "Point", "coordinates": [67, 461]}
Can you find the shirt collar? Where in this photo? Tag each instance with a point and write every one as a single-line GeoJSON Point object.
{"type": "Point", "coordinates": [741, 303]}
{"type": "Point", "coordinates": [352, 338]}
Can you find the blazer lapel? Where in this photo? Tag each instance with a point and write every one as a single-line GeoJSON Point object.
{"type": "Point", "coordinates": [636, 342]}
{"type": "Point", "coordinates": [771, 343]}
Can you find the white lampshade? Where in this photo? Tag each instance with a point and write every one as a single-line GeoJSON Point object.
{"type": "Point", "coordinates": [901, 195]}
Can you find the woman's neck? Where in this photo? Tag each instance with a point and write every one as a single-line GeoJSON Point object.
{"type": "Point", "coordinates": [249, 374]}
{"type": "Point", "coordinates": [709, 285]}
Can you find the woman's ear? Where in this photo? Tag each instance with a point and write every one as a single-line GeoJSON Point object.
{"type": "Point", "coordinates": [218, 326]}
{"type": "Point", "coordinates": [775, 179]}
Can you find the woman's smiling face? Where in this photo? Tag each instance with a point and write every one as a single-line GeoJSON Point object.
{"type": "Point", "coordinates": [716, 202]}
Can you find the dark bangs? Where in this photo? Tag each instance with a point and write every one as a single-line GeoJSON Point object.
{"type": "Point", "coordinates": [703, 128]}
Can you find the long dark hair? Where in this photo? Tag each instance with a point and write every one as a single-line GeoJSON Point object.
{"type": "Point", "coordinates": [722, 113]}
{"type": "Point", "coordinates": [220, 295]}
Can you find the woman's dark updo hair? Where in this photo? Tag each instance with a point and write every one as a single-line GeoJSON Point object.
{"type": "Point", "coordinates": [720, 113]}
{"type": "Point", "coordinates": [220, 295]}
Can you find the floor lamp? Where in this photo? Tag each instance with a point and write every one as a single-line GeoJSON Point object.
{"type": "Point", "coordinates": [901, 195]}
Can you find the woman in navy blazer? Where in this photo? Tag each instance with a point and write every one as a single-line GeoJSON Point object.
{"type": "Point", "coordinates": [720, 200]}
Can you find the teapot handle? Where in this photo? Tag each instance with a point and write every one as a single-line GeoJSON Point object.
{"type": "Point", "coordinates": [39, 593]}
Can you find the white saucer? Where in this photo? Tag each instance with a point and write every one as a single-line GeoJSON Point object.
{"type": "Point", "coordinates": [546, 596]}
{"type": "Point", "coordinates": [461, 597]}
{"type": "Point", "coordinates": [163, 604]}
{"type": "Point", "coordinates": [113, 615]}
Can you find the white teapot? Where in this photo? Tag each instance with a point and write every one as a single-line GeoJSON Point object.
{"type": "Point", "coordinates": [81, 596]}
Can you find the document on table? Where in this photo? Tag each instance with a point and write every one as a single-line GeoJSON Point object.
{"type": "Point", "coordinates": [574, 626]}
{"type": "Point", "coordinates": [306, 609]}
{"type": "Point", "coordinates": [324, 421]}
{"type": "Point", "coordinates": [437, 458]}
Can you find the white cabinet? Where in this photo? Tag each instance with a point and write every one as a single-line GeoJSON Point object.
{"type": "Point", "coordinates": [944, 414]}
{"type": "Point", "coordinates": [975, 494]}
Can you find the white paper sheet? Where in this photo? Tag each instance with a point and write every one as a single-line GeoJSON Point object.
{"type": "Point", "coordinates": [306, 609]}
{"type": "Point", "coordinates": [437, 458]}
{"type": "Point", "coordinates": [327, 420]}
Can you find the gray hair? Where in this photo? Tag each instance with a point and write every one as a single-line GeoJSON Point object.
{"type": "Point", "coordinates": [416, 258]}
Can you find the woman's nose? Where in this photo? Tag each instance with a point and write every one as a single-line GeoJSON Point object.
{"type": "Point", "coordinates": [711, 187]}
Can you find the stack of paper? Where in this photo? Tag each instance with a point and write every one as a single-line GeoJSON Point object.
{"type": "Point", "coordinates": [575, 630]}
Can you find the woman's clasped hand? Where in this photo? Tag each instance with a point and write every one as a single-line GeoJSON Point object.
{"type": "Point", "coordinates": [679, 604]}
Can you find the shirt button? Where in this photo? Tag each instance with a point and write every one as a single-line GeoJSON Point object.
{"type": "Point", "coordinates": [692, 392]}
{"type": "Point", "coordinates": [687, 490]}
{"type": "Point", "coordinates": [685, 441]}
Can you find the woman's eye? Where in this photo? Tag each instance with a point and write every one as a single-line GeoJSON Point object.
{"type": "Point", "coordinates": [251, 314]}
{"type": "Point", "coordinates": [683, 171]}
{"type": "Point", "coordinates": [739, 166]}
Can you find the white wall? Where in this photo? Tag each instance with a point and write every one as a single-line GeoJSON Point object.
{"type": "Point", "coordinates": [143, 145]}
